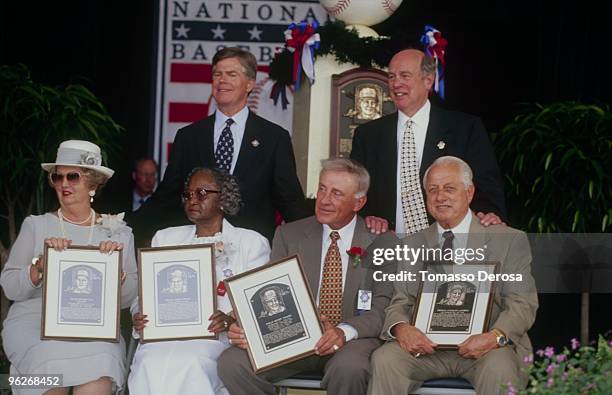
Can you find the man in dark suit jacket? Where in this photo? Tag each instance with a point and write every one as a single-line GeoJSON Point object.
{"type": "Point", "coordinates": [345, 348]}
{"type": "Point", "coordinates": [437, 133]}
{"type": "Point", "coordinates": [257, 152]}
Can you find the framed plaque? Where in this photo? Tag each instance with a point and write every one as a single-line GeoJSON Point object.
{"type": "Point", "coordinates": [81, 294]}
{"type": "Point", "coordinates": [275, 308]}
{"type": "Point", "coordinates": [454, 302]}
{"type": "Point", "coordinates": [358, 96]}
{"type": "Point", "coordinates": [177, 292]}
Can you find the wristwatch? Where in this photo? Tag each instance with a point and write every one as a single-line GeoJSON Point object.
{"type": "Point", "coordinates": [500, 337]}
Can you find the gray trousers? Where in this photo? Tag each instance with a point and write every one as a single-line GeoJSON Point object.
{"type": "Point", "coordinates": [396, 372]}
{"type": "Point", "coordinates": [346, 372]}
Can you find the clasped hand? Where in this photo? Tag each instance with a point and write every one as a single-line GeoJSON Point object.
{"type": "Point", "coordinates": [60, 244]}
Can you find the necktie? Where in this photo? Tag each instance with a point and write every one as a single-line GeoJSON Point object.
{"type": "Point", "coordinates": [330, 294]}
{"type": "Point", "coordinates": [448, 237]}
{"type": "Point", "coordinates": [415, 216]}
{"type": "Point", "coordinates": [225, 148]}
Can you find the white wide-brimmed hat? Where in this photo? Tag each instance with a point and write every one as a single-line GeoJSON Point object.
{"type": "Point", "coordinates": [79, 153]}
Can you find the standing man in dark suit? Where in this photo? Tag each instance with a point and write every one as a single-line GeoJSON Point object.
{"type": "Point", "coordinates": [257, 152]}
{"type": "Point", "coordinates": [350, 328]}
{"type": "Point", "coordinates": [396, 150]}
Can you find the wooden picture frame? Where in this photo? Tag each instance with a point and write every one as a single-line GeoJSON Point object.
{"type": "Point", "coordinates": [457, 304]}
{"type": "Point", "coordinates": [176, 289]}
{"type": "Point", "coordinates": [81, 294]}
{"type": "Point", "coordinates": [275, 308]}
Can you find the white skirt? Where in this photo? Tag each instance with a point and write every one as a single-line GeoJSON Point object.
{"type": "Point", "coordinates": [178, 367]}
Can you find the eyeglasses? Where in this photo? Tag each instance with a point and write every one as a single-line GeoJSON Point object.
{"type": "Point", "coordinates": [73, 178]}
{"type": "Point", "coordinates": [199, 193]}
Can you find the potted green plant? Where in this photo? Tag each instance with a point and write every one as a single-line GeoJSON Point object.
{"type": "Point", "coordinates": [556, 160]}
{"type": "Point", "coordinates": [34, 119]}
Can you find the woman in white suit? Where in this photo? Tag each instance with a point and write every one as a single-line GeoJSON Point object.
{"type": "Point", "coordinates": [190, 366]}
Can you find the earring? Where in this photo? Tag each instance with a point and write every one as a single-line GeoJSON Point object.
{"type": "Point", "coordinates": [91, 196]}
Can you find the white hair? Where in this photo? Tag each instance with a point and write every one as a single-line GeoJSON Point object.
{"type": "Point", "coordinates": [464, 169]}
{"type": "Point", "coordinates": [354, 168]}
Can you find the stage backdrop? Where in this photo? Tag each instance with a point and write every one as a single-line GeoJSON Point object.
{"type": "Point", "coordinates": [189, 34]}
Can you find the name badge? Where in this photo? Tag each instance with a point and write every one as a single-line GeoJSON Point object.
{"type": "Point", "coordinates": [364, 300]}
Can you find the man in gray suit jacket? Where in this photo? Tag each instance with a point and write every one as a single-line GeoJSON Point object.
{"type": "Point", "coordinates": [490, 359]}
{"type": "Point", "coordinates": [351, 324]}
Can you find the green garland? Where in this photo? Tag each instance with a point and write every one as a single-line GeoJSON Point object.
{"type": "Point", "coordinates": [348, 47]}
{"type": "Point", "coordinates": [344, 44]}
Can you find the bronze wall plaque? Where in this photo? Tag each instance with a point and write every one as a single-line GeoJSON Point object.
{"type": "Point", "coordinates": [358, 96]}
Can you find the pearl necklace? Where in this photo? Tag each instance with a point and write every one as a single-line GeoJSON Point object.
{"type": "Point", "coordinates": [92, 216]}
{"type": "Point", "coordinates": [59, 214]}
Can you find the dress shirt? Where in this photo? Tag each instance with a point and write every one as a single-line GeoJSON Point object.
{"type": "Point", "coordinates": [136, 200]}
{"type": "Point", "coordinates": [344, 244]}
{"type": "Point", "coordinates": [237, 128]}
{"type": "Point", "coordinates": [460, 232]}
{"type": "Point", "coordinates": [421, 121]}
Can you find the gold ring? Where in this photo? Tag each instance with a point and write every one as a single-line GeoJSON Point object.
{"type": "Point", "coordinates": [417, 355]}
{"type": "Point", "coordinates": [336, 348]}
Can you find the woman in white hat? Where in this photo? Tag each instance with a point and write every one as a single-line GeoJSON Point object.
{"type": "Point", "coordinates": [87, 367]}
{"type": "Point", "coordinates": [190, 366]}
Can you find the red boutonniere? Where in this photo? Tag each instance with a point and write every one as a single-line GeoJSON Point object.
{"type": "Point", "coordinates": [356, 253]}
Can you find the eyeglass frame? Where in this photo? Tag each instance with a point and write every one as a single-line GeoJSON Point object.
{"type": "Point", "coordinates": [59, 177]}
{"type": "Point", "coordinates": [198, 193]}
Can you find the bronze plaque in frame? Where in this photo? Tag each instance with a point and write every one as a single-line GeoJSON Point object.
{"type": "Point", "coordinates": [357, 96]}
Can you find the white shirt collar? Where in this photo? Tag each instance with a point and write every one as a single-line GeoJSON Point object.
{"type": "Point", "coordinates": [239, 118]}
{"type": "Point", "coordinates": [461, 230]}
{"type": "Point", "coordinates": [346, 232]}
{"type": "Point", "coordinates": [421, 117]}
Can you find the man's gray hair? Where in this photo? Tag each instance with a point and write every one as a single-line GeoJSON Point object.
{"type": "Point", "coordinates": [352, 167]}
{"type": "Point", "coordinates": [464, 169]}
{"type": "Point", "coordinates": [428, 65]}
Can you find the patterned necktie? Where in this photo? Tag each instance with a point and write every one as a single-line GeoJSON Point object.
{"type": "Point", "coordinates": [448, 237]}
{"type": "Point", "coordinates": [415, 216]}
{"type": "Point", "coordinates": [225, 148]}
{"type": "Point", "coordinates": [330, 294]}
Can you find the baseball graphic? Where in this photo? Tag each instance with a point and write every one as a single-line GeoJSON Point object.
{"type": "Point", "coordinates": [361, 12]}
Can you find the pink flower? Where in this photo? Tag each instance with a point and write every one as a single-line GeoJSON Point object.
{"type": "Point", "coordinates": [550, 382]}
{"type": "Point", "coordinates": [528, 359]}
{"type": "Point", "coordinates": [540, 353]}
{"type": "Point", "coordinates": [561, 357]}
{"type": "Point", "coordinates": [511, 389]}
{"type": "Point", "coordinates": [549, 352]}
{"type": "Point", "coordinates": [551, 368]}
{"type": "Point", "coordinates": [575, 343]}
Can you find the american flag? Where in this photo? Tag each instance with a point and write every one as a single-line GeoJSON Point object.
{"type": "Point", "coordinates": [190, 32]}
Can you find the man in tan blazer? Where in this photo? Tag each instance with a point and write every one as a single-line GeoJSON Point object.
{"type": "Point", "coordinates": [351, 332]}
{"type": "Point", "coordinates": [488, 360]}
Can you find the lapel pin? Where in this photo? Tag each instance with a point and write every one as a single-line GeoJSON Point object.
{"type": "Point", "coordinates": [441, 144]}
{"type": "Point", "coordinates": [255, 143]}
